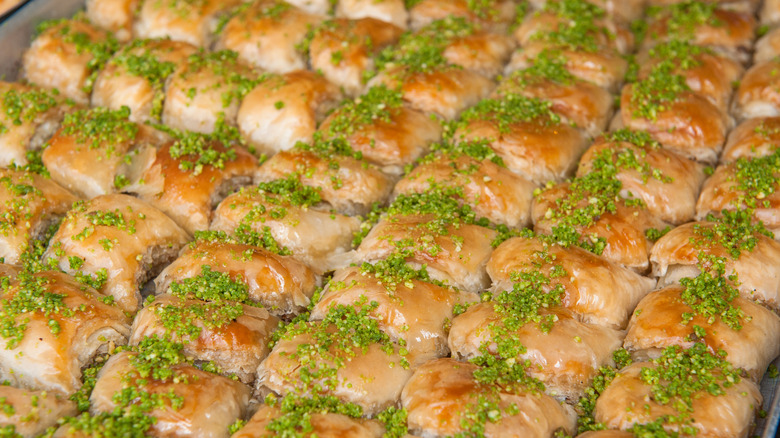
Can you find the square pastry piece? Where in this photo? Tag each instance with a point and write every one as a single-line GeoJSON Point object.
{"type": "Point", "coordinates": [67, 55]}
{"type": "Point", "coordinates": [54, 326]}
{"type": "Point", "coordinates": [280, 284]}
{"type": "Point", "coordinates": [156, 381]}
{"type": "Point", "coordinates": [136, 75]}
{"type": "Point", "coordinates": [496, 15]}
{"type": "Point", "coordinates": [345, 355]}
{"type": "Point", "coordinates": [666, 182]}
{"type": "Point", "coordinates": [748, 183]}
{"type": "Point", "coordinates": [206, 90]}
{"type": "Point", "coordinates": [117, 242]}
{"type": "Point", "coordinates": [187, 177]}
{"type": "Point", "coordinates": [189, 22]}
{"type": "Point", "coordinates": [445, 397]}
{"type": "Point", "coordinates": [285, 109]}
{"type": "Point", "coordinates": [691, 391]}
{"type": "Point", "coordinates": [343, 177]}
{"type": "Point", "coordinates": [286, 217]}
{"type": "Point", "coordinates": [380, 127]}
{"type": "Point", "coordinates": [268, 34]}
{"type": "Point", "coordinates": [529, 137]}
{"type": "Point", "coordinates": [344, 49]}
{"type": "Point", "coordinates": [29, 205]}
{"type": "Point", "coordinates": [115, 16]}
{"type": "Point", "coordinates": [28, 117]}
{"type": "Point", "coordinates": [492, 190]}
{"type": "Point", "coordinates": [389, 11]}
{"type": "Point", "coordinates": [98, 151]}
{"type": "Point", "coordinates": [30, 413]}
{"type": "Point", "coordinates": [436, 69]}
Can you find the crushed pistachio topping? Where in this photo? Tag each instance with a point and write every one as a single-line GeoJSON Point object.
{"type": "Point", "coordinates": [344, 332]}
{"type": "Point", "coordinates": [196, 150]}
{"type": "Point", "coordinates": [549, 65]}
{"type": "Point", "coordinates": [658, 91]}
{"type": "Point", "coordinates": [577, 30]}
{"type": "Point", "coordinates": [756, 179]}
{"type": "Point", "coordinates": [100, 128]}
{"type": "Point", "coordinates": [25, 106]}
{"type": "Point", "coordinates": [682, 19]}
{"type": "Point", "coordinates": [379, 104]}
{"type": "Point", "coordinates": [711, 295]}
{"type": "Point", "coordinates": [679, 376]}
{"type": "Point", "coordinates": [478, 149]}
{"type": "Point", "coordinates": [511, 109]}
{"type": "Point", "coordinates": [19, 208]}
{"type": "Point", "coordinates": [734, 231]}
{"type": "Point", "coordinates": [423, 51]}
{"type": "Point", "coordinates": [595, 194]}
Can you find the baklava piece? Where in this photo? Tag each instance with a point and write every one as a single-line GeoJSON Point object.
{"type": "Point", "coordinates": [319, 7]}
{"type": "Point", "coordinates": [96, 151]}
{"type": "Point", "coordinates": [561, 352]}
{"type": "Point", "coordinates": [598, 291]}
{"type": "Point", "coordinates": [444, 398]}
{"type": "Point", "coordinates": [412, 312]}
{"type": "Point", "coordinates": [344, 355]}
{"type": "Point", "coordinates": [752, 138]}
{"type": "Point", "coordinates": [582, 104]}
{"type": "Point", "coordinates": [745, 183]}
{"type": "Point", "coordinates": [706, 72]}
{"type": "Point", "coordinates": [67, 55]}
{"type": "Point", "coordinates": [757, 95]}
{"type": "Point", "coordinates": [115, 16]}
{"type": "Point", "coordinates": [117, 242]}
{"type": "Point", "coordinates": [212, 327]}
{"type": "Point", "coordinates": [344, 49]}
{"type": "Point", "coordinates": [344, 179]}
{"type": "Point", "coordinates": [30, 413]}
{"type": "Point", "coordinates": [731, 244]}
{"type": "Point", "coordinates": [136, 75]}
{"type": "Point", "coordinates": [709, 310]}
{"type": "Point", "coordinates": [29, 205]}
{"type": "Point", "coordinates": [55, 326]}
{"type": "Point", "coordinates": [666, 183]}
{"type": "Point", "coordinates": [496, 15]}
{"type": "Point", "coordinates": [389, 11]}
{"type": "Point", "coordinates": [437, 71]}
{"type": "Point", "coordinates": [188, 177]}
{"type": "Point", "coordinates": [560, 19]}
{"type": "Point", "coordinates": [186, 21]}
{"type": "Point", "coordinates": [767, 47]}
{"type": "Point", "coordinates": [286, 109]}
{"type": "Point", "coordinates": [270, 420]}
{"type": "Point", "coordinates": [29, 116]}
{"type": "Point", "coordinates": [589, 212]}
{"type": "Point", "coordinates": [207, 90]}
{"type": "Point", "coordinates": [453, 252]}
{"type": "Point", "coordinates": [282, 215]}
{"type": "Point", "coordinates": [704, 23]}
{"type": "Point", "coordinates": [155, 380]}
{"type": "Point", "coordinates": [493, 191]}
{"type": "Point", "coordinates": [691, 391]}
{"type": "Point", "coordinates": [664, 106]}
{"type": "Point", "coordinates": [592, 45]}
{"type": "Point", "coordinates": [380, 127]}
{"type": "Point", "coordinates": [267, 34]}
{"type": "Point", "coordinates": [770, 12]}
{"type": "Point", "coordinates": [280, 284]}
{"type": "Point", "coordinates": [529, 137]}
